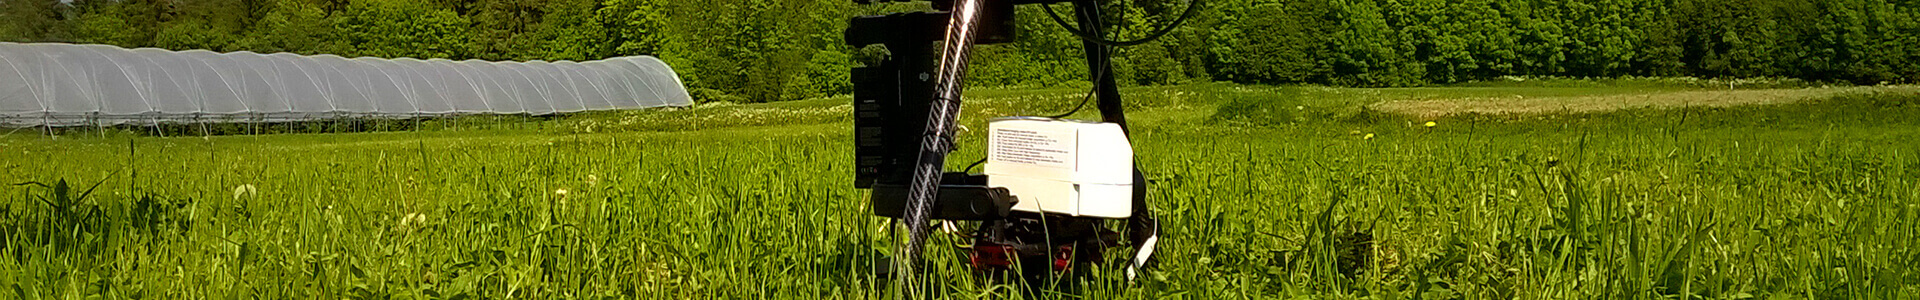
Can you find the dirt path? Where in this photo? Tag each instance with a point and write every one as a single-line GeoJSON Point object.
{"type": "Point", "coordinates": [1579, 104]}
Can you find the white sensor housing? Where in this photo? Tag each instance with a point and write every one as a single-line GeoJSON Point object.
{"type": "Point", "coordinates": [1077, 168]}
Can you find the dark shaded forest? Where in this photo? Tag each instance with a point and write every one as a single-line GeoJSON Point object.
{"type": "Point", "coordinates": [769, 50]}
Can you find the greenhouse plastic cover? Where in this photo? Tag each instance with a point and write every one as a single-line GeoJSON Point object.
{"type": "Point", "coordinates": [67, 84]}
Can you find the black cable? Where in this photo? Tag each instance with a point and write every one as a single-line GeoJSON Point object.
{"type": "Point", "coordinates": [1104, 67]}
{"type": "Point", "coordinates": [1090, 90]}
{"type": "Point", "coordinates": [1076, 109]}
{"type": "Point", "coordinates": [1192, 6]}
{"type": "Point", "coordinates": [1094, 81]}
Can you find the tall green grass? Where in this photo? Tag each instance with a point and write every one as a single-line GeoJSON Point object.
{"type": "Point", "coordinates": [1811, 200]}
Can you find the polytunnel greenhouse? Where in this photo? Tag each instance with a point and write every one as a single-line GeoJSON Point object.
{"type": "Point", "coordinates": [68, 85]}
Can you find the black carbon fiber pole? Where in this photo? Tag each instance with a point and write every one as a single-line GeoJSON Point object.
{"type": "Point", "coordinates": [936, 142]}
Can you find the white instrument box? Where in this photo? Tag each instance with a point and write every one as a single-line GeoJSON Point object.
{"type": "Point", "coordinates": [1077, 168]}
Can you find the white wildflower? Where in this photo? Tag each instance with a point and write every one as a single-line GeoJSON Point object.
{"type": "Point", "coordinates": [244, 190]}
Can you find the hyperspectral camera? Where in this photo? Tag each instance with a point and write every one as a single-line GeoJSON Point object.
{"type": "Point", "coordinates": [1051, 187]}
{"type": "Point", "coordinates": [891, 105]}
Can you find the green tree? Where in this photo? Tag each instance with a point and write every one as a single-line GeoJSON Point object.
{"type": "Point", "coordinates": [399, 28]}
{"type": "Point", "coordinates": [500, 28]}
{"type": "Point", "coordinates": [127, 23]}
{"type": "Point", "coordinates": [1660, 52]}
{"type": "Point", "coordinates": [1602, 42]}
{"type": "Point", "coordinates": [634, 27]}
{"type": "Point", "coordinates": [1431, 36]}
{"type": "Point", "coordinates": [1731, 37]}
{"type": "Point", "coordinates": [29, 20]}
{"type": "Point", "coordinates": [1901, 35]}
{"type": "Point", "coordinates": [1362, 50]}
{"type": "Point", "coordinates": [766, 50]}
{"type": "Point", "coordinates": [757, 49]}
{"type": "Point", "coordinates": [1542, 43]}
{"type": "Point", "coordinates": [1152, 63]}
{"type": "Point", "coordinates": [1488, 34]}
{"type": "Point", "coordinates": [1276, 43]}
{"type": "Point", "coordinates": [1041, 55]}
{"type": "Point", "coordinates": [288, 26]}
{"type": "Point", "coordinates": [569, 31]}
{"type": "Point", "coordinates": [187, 34]}
{"type": "Point", "coordinates": [221, 25]}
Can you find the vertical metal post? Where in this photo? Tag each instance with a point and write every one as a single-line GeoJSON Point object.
{"type": "Point", "coordinates": [1099, 63]}
{"type": "Point", "coordinates": [156, 126]}
{"type": "Point", "coordinates": [1142, 228]}
{"type": "Point", "coordinates": [936, 142]}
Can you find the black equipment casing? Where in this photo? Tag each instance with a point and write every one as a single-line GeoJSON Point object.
{"type": "Point", "coordinates": [962, 197]}
{"type": "Point", "coordinates": [894, 102]}
{"type": "Point", "coordinates": [892, 99]}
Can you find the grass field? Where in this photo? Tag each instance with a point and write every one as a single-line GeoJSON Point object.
{"type": "Point", "coordinates": [1569, 190]}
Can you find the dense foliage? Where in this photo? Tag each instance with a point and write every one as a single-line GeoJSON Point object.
{"type": "Point", "coordinates": [762, 50]}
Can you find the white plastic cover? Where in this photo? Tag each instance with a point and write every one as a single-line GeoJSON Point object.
{"type": "Point", "coordinates": [67, 84]}
{"type": "Point", "coordinates": [1062, 166]}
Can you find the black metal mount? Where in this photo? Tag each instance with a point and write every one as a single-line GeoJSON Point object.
{"type": "Point", "coordinates": [892, 104]}
{"type": "Point", "coordinates": [962, 197]}
{"type": "Point", "coordinates": [891, 98]}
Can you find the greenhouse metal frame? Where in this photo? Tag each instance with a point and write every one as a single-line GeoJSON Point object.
{"type": "Point", "coordinates": [51, 84]}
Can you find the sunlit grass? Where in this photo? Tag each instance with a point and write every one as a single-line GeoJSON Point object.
{"type": "Point", "coordinates": [1264, 192]}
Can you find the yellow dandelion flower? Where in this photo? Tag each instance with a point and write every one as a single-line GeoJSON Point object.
{"type": "Point", "coordinates": [1431, 124]}
{"type": "Point", "coordinates": [1368, 137]}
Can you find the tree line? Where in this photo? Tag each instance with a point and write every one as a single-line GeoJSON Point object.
{"type": "Point", "coordinates": [766, 50]}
